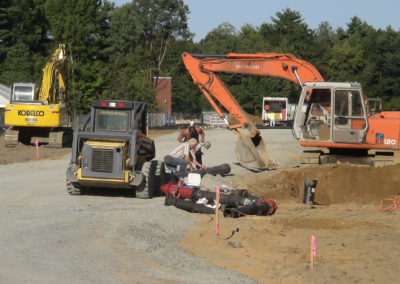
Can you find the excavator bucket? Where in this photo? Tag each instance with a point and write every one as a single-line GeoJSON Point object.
{"type": "Point", "coordinates": [252, 153]}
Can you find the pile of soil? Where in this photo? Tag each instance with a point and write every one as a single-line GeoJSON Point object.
{"type": "Point", "coordinates": [357, 241]}
{"type": "Point", "coordinates": [336, 184]}
{"type": "Point", "coordinates": [24, 153]}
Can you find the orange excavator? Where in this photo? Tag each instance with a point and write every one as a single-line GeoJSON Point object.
{"type": "Point", "coordinates": [331, 118]}
{"type": "Point", "coordinates": [250, 149]}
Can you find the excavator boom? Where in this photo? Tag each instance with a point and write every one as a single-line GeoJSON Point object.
{"type": "Point", "coordinates": [250, 149]}
{"type": "Point", "coordinates": [56, 67]}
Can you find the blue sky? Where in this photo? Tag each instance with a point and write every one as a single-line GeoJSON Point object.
{"type": "Point", "coordinates": [206, 15]}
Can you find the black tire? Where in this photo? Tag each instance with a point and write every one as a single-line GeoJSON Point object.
{"type": "Point", "coordinates": [161, 177]}
{"type": "Point", "coordinates": [74, 188]}
{"type": "Point", "coordinates": [148, 187]}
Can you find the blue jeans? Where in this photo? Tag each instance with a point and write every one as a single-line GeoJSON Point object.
{"type": "Point", "coordinates": [179, 164]}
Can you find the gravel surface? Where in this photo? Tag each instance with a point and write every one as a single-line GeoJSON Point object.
{"type": "Point", "coordinates": [48, 236]}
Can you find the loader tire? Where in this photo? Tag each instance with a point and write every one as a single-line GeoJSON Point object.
{"type": "Point", "coordinates": [161, 177]}
{"type": "Point", "coordinates": [74, 188]}
{"type": "Point", "coordinates": [148, 187]}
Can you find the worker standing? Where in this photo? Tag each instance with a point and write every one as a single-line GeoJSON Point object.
{"type": "Point", "coordinates": [193, 131]}
{"type": "Point", "coordinates": [271, 118]}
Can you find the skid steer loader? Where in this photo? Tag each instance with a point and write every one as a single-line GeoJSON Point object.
{"type": "Point", "coordinates": [111, 150]}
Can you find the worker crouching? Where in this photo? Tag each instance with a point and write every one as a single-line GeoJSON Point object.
{"type": "Point", "coordinates": [179, 157]}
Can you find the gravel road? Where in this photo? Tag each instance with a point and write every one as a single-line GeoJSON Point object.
{"type": "Point", "coordinates": [48, 236]}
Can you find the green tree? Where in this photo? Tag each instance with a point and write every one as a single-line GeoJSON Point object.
{"type": "Point", "coordinates": [23, 40]}
{"type": "Point", "coordinates": [156, 24]}
{"type": "Point", "coordinates": [289, 34]}
{"type": "Point", "coordinates": [324, 41]}
{"type": "Point", "coordinates": [384, 79]}
{"type": "Point", "coordinates": [141, 33]}
{"type": "Point", "coordinates": [186, 96]}
{"type": "Point", "coordinates": [83, 25]}
{"type": "Point", "coordinates": [17, 66]}
{"type": "Point", "coordinates": [220, 40]}
{"type": "Point", "coordinates": [250, 40]}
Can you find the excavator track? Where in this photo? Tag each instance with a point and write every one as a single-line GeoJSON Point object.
{"type": "Point", "coordinates": [11, 138]}
{"type": "Point", "coordinates": [384, 158]}
{"type": "Point", "coordinates": [56, 139]}
{"type": "Point", "coordinates": [375, 158]}
{"type": "Point", "coordinates": [311, 157]}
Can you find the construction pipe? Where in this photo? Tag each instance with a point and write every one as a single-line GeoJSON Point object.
{"type": "Point", "coordinates": [265, 209]}
{"type": "Point", "coordinates": [231, 200]}
{"type": "Point", "coordinates": [236, 198]}
{"type": "Point", "coordinates": [222, 169]}
{"type": "Point", "coordinates": [188, 205]}
{"type": "Point", "coordinates": [217, 170]}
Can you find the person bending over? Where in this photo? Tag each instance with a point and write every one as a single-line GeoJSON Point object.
{"type": "Point", "coordinates": [179, 156]}
{"type": "Point", "coordinates": [193, 131]}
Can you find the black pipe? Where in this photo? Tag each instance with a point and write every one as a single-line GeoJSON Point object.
{"type": "Point", "coordinates": [309, 190]}
{"type": "Point", "coordinates": [255, 209]}
{"type": "Point", "coordinates": [188, 205]}
{"type": "Point", "coordinates": [222, 169]}
{"type": "Point", "coordinates": [230, 200]}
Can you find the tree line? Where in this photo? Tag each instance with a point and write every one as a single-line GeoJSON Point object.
{"type": "Point", "coordinates": [114, 52]}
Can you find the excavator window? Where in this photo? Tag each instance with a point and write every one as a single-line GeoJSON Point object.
{"type": "Point", "coordinates": [318, 114]}
{"type": "Point", "coordinates": [349, 109]}
{"type": "Point", "coordinates": [23, 93]}
{"type": "Point", "coordinates": [341, 103]}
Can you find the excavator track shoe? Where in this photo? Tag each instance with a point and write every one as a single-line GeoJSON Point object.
{"type": "Point", "coordinates": [11, 138]}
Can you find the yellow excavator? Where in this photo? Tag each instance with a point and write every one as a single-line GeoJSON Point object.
{"type": "Point", "coordinates": [39, 115]}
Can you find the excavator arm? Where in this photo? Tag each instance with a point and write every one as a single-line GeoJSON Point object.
{"type": "Point", "coordinates": [55, 69]}
{"type": "Point", "coordinates": [250, 149]}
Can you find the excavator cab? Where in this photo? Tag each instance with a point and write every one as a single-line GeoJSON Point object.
{"type": "Point", "coordinates": [24, 93]}
{"type": "Point", "coordinates": [331, 112]}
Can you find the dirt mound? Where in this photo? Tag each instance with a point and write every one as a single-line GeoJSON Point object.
{"type": "Point", "coordinates": [355, 239]}
{"type": "Point", "coordinates": [24, 153]}
{"type": "Point", "coordinates": [336, 183]}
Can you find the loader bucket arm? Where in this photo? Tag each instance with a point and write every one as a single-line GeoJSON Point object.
{"type": "Point", "coordinates": [250, 149]}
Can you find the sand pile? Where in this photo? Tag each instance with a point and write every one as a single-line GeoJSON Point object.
{"type": "Point", "coordinates": [24, 153]}
{"type": "Point", "coordinates": [356, 241]}
{"type": "Point", "coordinates": [336, 183]}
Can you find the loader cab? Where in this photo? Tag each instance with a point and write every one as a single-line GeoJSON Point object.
{"type": "Point", "coordinates": [331, 112]}
{"type": "Point", "coordinates": [118, 116]}
{"type": "Point", "coordinates": [112, 120]}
